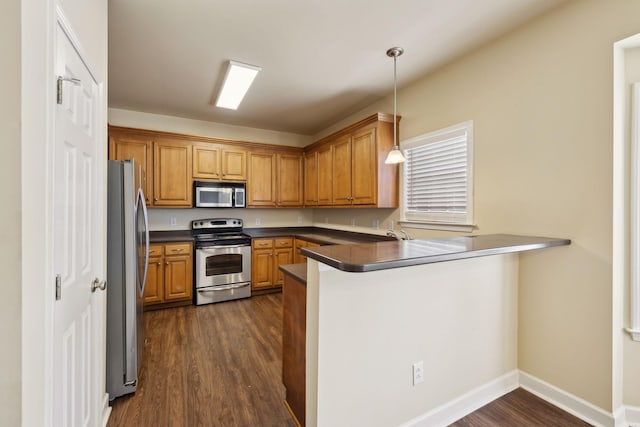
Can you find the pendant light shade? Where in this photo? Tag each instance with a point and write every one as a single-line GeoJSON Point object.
{"type": "Point", "coordinates": [395, 155]}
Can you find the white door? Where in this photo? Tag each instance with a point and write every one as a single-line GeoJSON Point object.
{"type": "Point", "coordinates": [78, 241]}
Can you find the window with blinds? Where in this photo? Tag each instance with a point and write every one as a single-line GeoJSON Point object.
{"type": "Point", "coordinates": [438, 176]}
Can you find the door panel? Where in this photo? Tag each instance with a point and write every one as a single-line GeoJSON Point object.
{"type": "Point", "coordinates": [77, 242]}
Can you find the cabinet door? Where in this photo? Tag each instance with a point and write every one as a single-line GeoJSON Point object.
{"type": "Point", "coordinates": [177, 278]}
{"type": "Point", "coordinates": [234, 164]}
{"type": "Point", "coordinates": [289, 180]}
{"type": "Point", "coordinates": [172, 183]}
{"type": "Point", "coordinates": [341, 185]}
{"type": "Point", "coordinates": [206, 161]}
{"type": "Point", "coordinates": [281, 256]}
{"type": "Point", "coordinates": [298, 258]}
{"type": "Point", "coordinates": [363, 168]}
{"type": "Point", "coordinates": [262, 268]}
{"type": "Point", "coordinates": [261, 186]}
{"type": "Point", "coordinates": [138, 148]}
{"type": "Point", "coordinates": [325, 176]}
{"type": "Point", "coordinates": [311, 179]}
{"type": "Point", "coordinates": [154, 287]}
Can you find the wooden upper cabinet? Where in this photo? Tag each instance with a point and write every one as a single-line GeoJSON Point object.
{"type": "Point", "coordinates": [261, 185]}
{"type": "Point", "coordinates": [206, 161]}
{"type": "Point", "coordinates": [341, 157]}
{"type": "Point", "coordinates": [363, 167]}
{"type": "Point", "coordinates": [325, 176]}
{"type": "Point", "coordinates": [172, 174]}
{"type": "Point", "coordinates": [311, 178]}
{"type": "Point", "coordinates": [234, 164]}
{"type": "Point", "coordinates": [318, 177]}
{"type": "Point", "coordinates": [289, 185]}
{"type": "Point", "coordinates": [125, 147]}
{"type": "Point", "coordinates": [274, 179]}
{"type": "Point", "coordinates": [219, 162]}
{"type": "Point", "coordinates": [350, 166]}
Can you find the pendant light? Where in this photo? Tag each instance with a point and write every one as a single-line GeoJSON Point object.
{"type": "Point", "coordinates": [395, 155]}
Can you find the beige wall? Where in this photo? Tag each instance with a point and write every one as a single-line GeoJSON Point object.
{"type": "Point", "coordinates": [541, 101]}
{"type": "Point", "coordinates": [10, 221]}
{"type": "Point", "coordinates": [367, 330]}
{"type": "Point", "coordinates": [137, 119]}
{"type": "Point", "coordinates": [160, 219]}
{"type": "Point", "coordinates": [631, 371]}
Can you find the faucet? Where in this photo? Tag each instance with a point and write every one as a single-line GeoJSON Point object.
{"type": "Point", "coordinates": [393, 234]}
{"type": "Point", "coordinates": [406, 235]}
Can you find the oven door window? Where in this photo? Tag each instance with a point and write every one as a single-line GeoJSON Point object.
{"type": "Point", "coordinates": [216, 265]}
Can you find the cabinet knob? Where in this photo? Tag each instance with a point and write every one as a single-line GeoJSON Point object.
{"type": "Point", "coordinates": [155, 199]}
{"type": "Point", "coordinates": [159, 264]}
{"type": "Point", "coordinates": [166, 263]}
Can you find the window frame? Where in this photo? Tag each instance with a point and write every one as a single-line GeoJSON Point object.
{"type": "Point", "coordinates": [440, 220]}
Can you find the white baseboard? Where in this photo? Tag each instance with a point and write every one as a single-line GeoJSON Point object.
{"type": "Point", "coordinates": [467, 403]}
{"type": "Point", "coordinates": [106, 410]}
{"type": "Point", "coordinates": [632, 416]}
{"type": "Point", "coordinates": [625, 416]}
{"type": "Point", "coordinates": [567, 401]}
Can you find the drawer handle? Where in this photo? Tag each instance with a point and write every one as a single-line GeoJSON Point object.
{"type": "Point", "coordinates": [177, 250]}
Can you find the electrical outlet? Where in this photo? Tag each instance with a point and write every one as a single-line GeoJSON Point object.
{"type": "Point", "coordinates": [299, 219]}
{"type": "Point", "coordinates": [173, 220]}
{"type": "Point", "coordinates": [258, 221]}
{"type": "Point", "coordinates": [326, 220]}
{"type": "Point", "coordinates": [375, 224]}
{"type": "Point", "coordinates": [353, 222]}
{"type": "Point", "coordinates": [418, 372]}
{"type": "Point", "coordinates": [390, 224]}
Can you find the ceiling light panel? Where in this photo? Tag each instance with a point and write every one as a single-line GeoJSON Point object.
{"type": "Point", "coordinates": [236, 84]}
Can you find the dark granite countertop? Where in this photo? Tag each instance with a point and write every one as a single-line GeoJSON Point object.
{"type": "Point", "coordinates": [170, 236]}
{"type": "Point", "coordinates": [395, 254]}
{"type": "Point", "coordinates": [323, 236]}
{"type": "Point", "coordinates": [298, 271]}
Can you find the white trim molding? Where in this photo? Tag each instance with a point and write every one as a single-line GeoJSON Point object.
{"type": "Point", "coordinates": [632, 416]}
{"type": "Point", "coordinates": [568, 402]}
{"type": "Point", "coordinates": [453, 410]}
{"type": "Point", "coordinates": [449, 412]}
{"type": "Point", "coordinates": [634, 291]}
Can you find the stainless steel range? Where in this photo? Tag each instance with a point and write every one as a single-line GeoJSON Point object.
{"type": "Point", "coordinates": [223, 260]}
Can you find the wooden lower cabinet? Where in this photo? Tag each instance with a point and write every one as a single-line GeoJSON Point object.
{"type": "Point", "coordinates": [267, 255]}
{"type": "Point", "coordinates": [170, 275]}
{"type": "Point", "coordinates": [299, 244]}
{"type": "Point", "coordinates": [294, 312]}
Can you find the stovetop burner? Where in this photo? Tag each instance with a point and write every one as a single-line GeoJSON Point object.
{"type": "Point", "coordinates": [218, 231]}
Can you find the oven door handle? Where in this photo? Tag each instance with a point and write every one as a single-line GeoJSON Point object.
{"type": "Point", "coordinates": [224, 288]}
{"type": "Point", "coordinates": [204, 248]}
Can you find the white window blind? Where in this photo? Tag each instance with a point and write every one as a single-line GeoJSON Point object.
{"type": "Point", "coordinates": [438, 176]}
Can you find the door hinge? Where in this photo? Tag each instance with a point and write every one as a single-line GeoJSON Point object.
{"type": "Point", "coordinates": [58, 287]}
{"type": "Point", "coordinates": [59, 86]}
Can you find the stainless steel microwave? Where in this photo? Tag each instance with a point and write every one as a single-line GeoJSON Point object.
{"type": "Point", "coordinates": [219, 194]}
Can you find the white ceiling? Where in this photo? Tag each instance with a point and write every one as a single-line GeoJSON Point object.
{"type": "Point", "coordinates": [321, 59]}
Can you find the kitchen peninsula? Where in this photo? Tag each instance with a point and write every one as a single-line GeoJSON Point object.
{"type": "Point", "coordinates": [375, 310]}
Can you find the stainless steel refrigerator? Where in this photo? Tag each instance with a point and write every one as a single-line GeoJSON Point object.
{"type": "Point", "coordinates": [127, 264]}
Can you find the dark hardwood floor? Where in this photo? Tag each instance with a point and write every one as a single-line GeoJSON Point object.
{"type": "Point", "coordinates": [213, 365]}
{"type": "Point", "coordinates": [519, 408]}
{"type": "Point", "coordinates": [220, 365]}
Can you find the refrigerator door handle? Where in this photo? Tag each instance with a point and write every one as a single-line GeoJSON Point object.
{"type": "Point", "coordinates": [146, 238]}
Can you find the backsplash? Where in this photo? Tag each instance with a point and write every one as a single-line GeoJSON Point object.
{"type": "Point", "coordinates": [180, 219]}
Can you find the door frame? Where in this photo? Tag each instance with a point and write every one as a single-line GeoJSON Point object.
{"type": "Point", "coordinates": [39, 21]}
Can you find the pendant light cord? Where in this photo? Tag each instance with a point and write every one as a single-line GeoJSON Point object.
{"type": "Point", "coordinates": [395, 120]}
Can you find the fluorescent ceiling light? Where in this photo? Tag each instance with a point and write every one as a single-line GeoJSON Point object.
{"type": "Point", "coordinates": [236, 84]}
